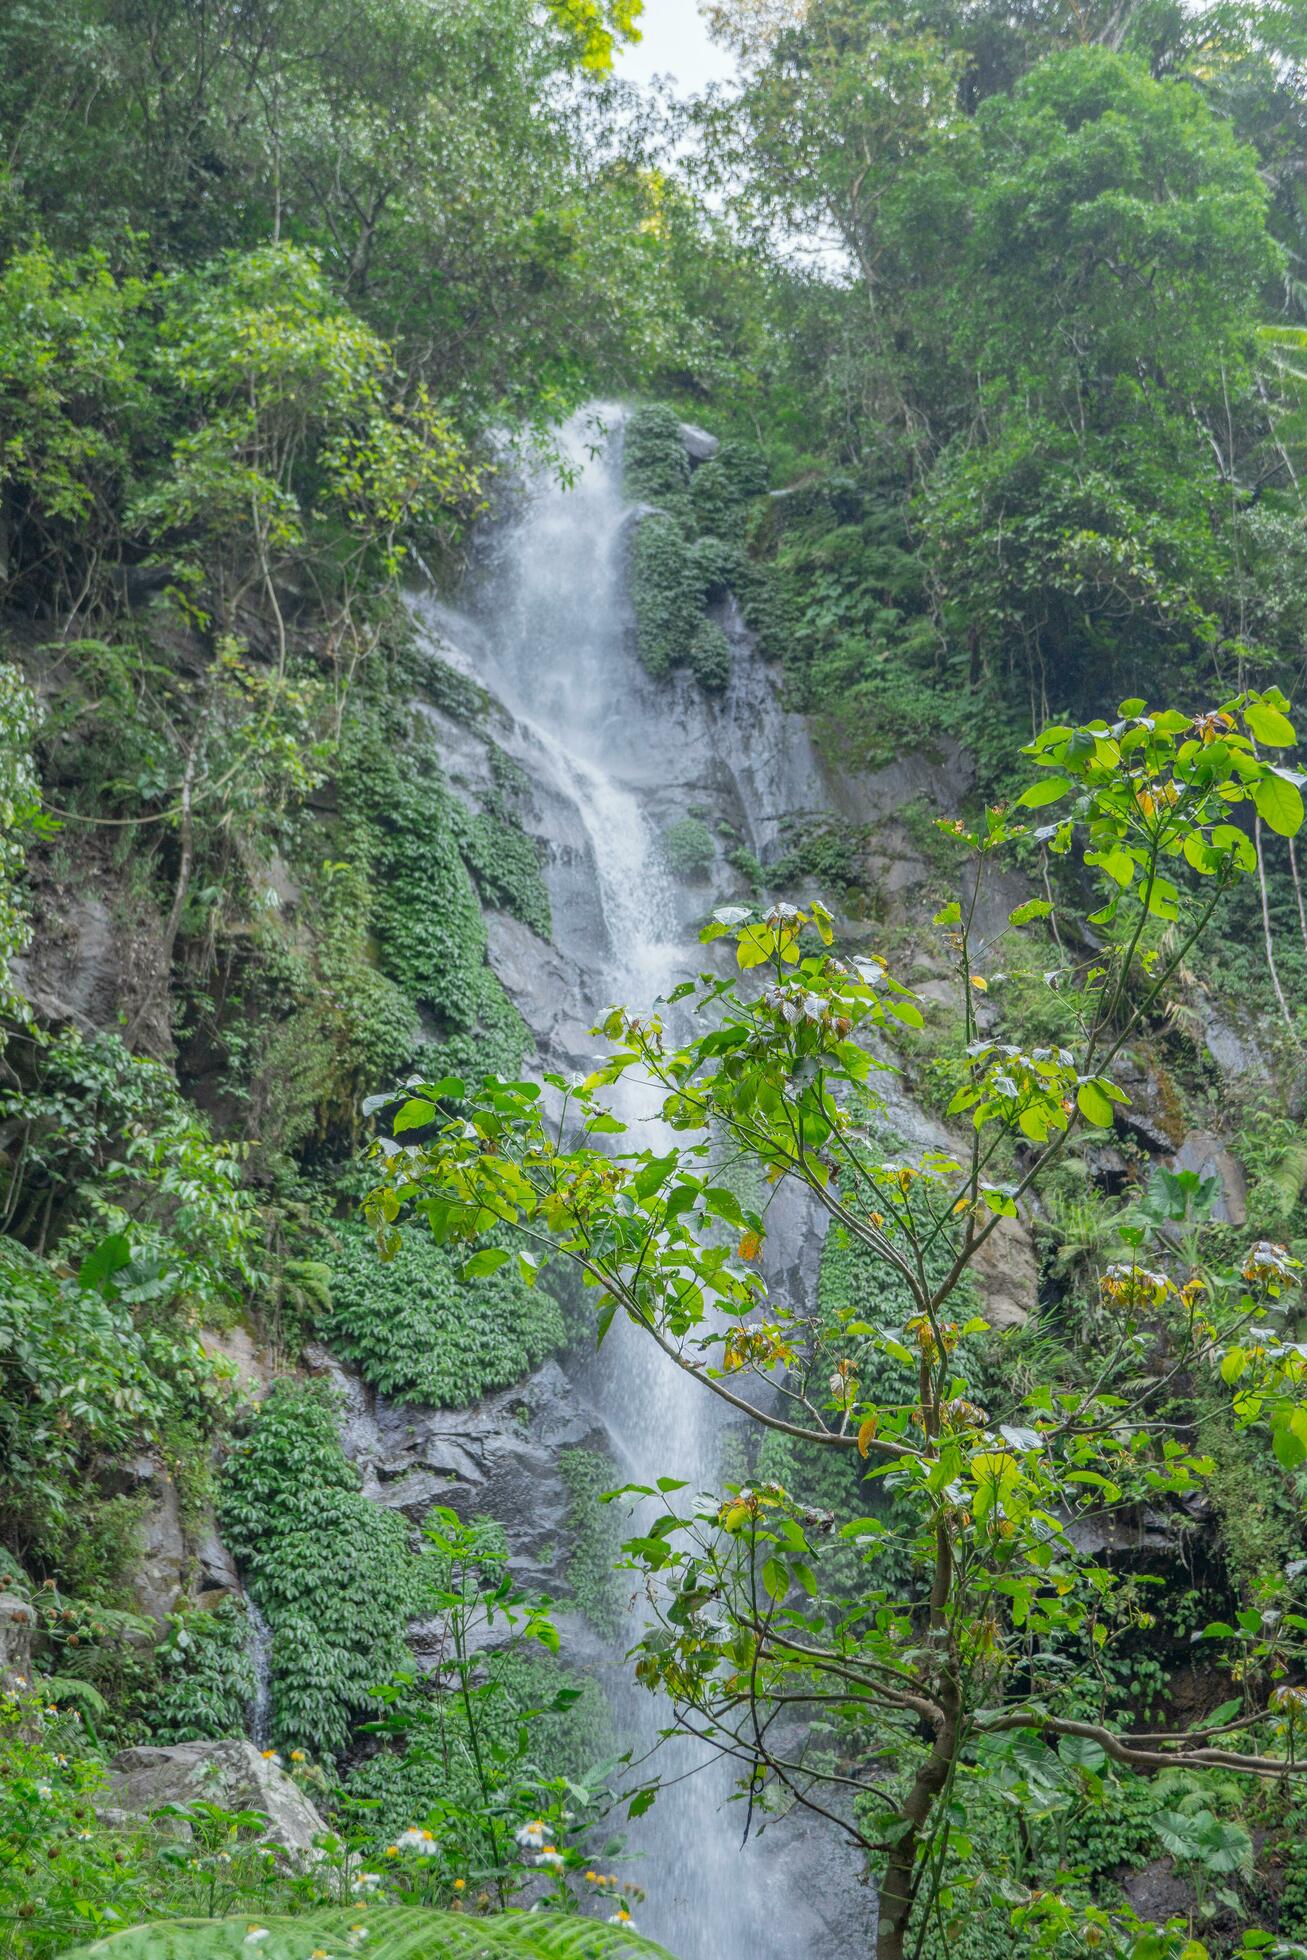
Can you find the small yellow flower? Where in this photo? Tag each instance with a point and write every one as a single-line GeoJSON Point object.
{"type": "Point", "coordinates": [298, 1756]}
{"type": "Point", "coordinates": [460, 1885]}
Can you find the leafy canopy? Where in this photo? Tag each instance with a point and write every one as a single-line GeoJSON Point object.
{"type": "Point", "coordinates": [991, 1654]}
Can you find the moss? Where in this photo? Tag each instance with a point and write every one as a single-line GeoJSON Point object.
{"type": "Point", "coordinates": [421, 1334]}
{"type": "Point", "coordinates": [721, 487]}
{"type": "Point", "coordinates": [827, 853]}
{"type": "Point", "coordinates": [721, 565]}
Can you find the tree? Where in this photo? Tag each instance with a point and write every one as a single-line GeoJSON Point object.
{"type": "Point", "coordinates": [995, 1648]}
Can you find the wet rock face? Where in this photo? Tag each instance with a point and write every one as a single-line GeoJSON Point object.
{"type": "Point", "coordinates": [232, 1774]}
{"type": "Point", "coordinates": [498, 1459]}
{"type": "Point", "coordinates": [1007, 1275]}
{"type": "Point", "coordinates": [96, 960]}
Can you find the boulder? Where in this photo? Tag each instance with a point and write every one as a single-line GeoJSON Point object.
{"type": "Point", "coordinates": [700, 447]}
{"type": "Point", "coordinates": [159, 1581]}
{"type": "Point", "coordinates": [253, 1366]}
{"type": "Point", "coordinates": [17, 1626]}
{"type": "Point", "coordinates": [1207, 1155]}
{"type": "Point", "coordinates": [232, 1774]}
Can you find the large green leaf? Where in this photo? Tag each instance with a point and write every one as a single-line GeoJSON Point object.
{"type": "Point", "coordinates": [393, 1933]}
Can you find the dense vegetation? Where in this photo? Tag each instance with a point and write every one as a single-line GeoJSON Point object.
{"type": "Point", "coordinates": [997, 318]}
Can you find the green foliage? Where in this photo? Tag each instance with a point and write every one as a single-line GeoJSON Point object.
{"type": "Point", "coordinates": [593, 1539]}
{"type": "Point", "coordinates": [667, 593]}
{"type": "Point", "coordinates": [205, 1684]}
{"type": "Point", "coordinates": [688, 847]}
{"type": "Point", "coordinates": [330, 1571]}
{"type": "Point", "coordinates": [430, 931]}
{"type": "Point", "coordinates": [19, 806]}
{"type": "Point", "coordinates": [289, 439]}
{"type": "Point", "coordinates": [828, 853]}
{"type": "Point", "coordinates": [503, 860]}
{"type": "Point", "coordinates": [485, 1781]}
{"type": "Point", "coordinates": [655, 466]}
{"type": "Point", "coordinates": [710, 656]}
{"type": "Point", "coordinates": [421, 1333]}
{"type": "Point", "coordinates": [106, 1137]}
{"type": "Point", "coordinates": [61, 1877]}
{"type": "Point", "coordinates": [397, 1933]}
{"type": "Point", "coordinates": [85, 1375]}
{"type": "Point", "coordinates": [966, 1606]}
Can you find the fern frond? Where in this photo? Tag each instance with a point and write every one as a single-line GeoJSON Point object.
{"type": "Point", "coordinates": [393, 1933]}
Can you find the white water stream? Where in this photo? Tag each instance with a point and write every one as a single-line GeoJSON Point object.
{"type": "Point", "coordinates": [550, 622]}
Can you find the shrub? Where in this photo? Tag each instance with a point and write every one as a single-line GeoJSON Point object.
{"type": "Point", "coordinates": [502, 859]}
{"type": "Point", "coordinates": [655, 466]}
{"type": "Point", "coordinates": [430, 932]}
{"type": "Point", "coordinates": [205, 1683]}
{"type": "Point", "coordinates": [107, 1139]}
{"type": "Point", "coordinates": [80, 1380]}
{"type": "Point", "coordinates": [667, 594]}
{"type": "Point", "coordinates": [710, 657]}
{"type": "Point", "coordinates": [330, 1571]}
{"type": "Point", "coordinates": [688, 847]}
{"type": "Point", "coordinates": [421, 1333]}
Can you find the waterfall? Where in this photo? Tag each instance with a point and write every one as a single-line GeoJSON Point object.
{"type": "Point", "coordinates": [261, 1664]}
{"type": "Point", "coordinates": [547, 629]}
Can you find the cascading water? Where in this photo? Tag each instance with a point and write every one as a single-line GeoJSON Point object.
{"type": "Point", "coordinates": [261, 1666]}
{"type": "Point", "coordinates": [548, 631]}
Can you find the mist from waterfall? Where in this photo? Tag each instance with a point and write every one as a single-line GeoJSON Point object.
{"type": "Point", "coordinates": [550, 620]}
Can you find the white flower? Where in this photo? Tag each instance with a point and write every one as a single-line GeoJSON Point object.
{"type": "Point", "coordinates": [44, 1792]}
{"type": "Point", "coordinates": [367, 1882]}
{"type": "Point", "coordinates": [532, 1835]}
{"type": "Point", "coordinates": [357, 1935]}
{"type": "Point", "coordinates": [552, 1857]}
{"type": "Point", "coordinates": [421, 1842]}
{"type": "Point", "coordinates": [622, 1918]}
{"type": "Point", "coordinates": [255, 1934]}
{"type": "Point", "coordinates": [271, 1756]}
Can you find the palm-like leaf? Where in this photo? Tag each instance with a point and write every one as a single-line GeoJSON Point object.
{"type": "Point", "coordinates": [393, 1933]}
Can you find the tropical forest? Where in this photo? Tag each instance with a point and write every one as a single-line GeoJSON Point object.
{"type": "Point", "coordinates": [653, 979]}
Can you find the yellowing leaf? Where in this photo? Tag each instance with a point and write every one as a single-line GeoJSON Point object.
{"type": "Point", "coordinates": [865, 1433]}
{"type": "Point", "coordinates": [749, 1245]}
{"type": "Point", "coordinates": [1272, 729]}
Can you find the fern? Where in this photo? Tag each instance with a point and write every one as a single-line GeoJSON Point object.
{"type": "Point", "coordinates": [71, 1691]}
{"type": "Point", "coordinates": [393, 1933]}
